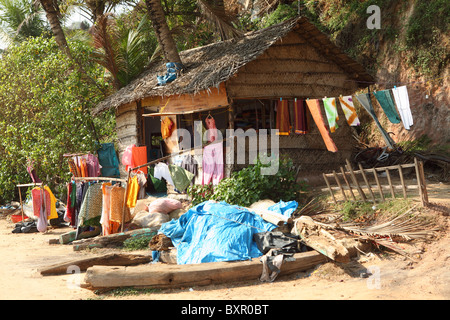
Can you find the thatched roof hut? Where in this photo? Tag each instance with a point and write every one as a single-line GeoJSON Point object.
{"type": "Point", "coordinates": [290, 60]}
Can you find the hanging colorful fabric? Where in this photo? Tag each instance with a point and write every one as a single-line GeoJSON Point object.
{"type": "Point", "coordinates": [301, 118]}
{"type": "Point", "coordinates": [387, 104]}
{"type": "Point", "coordinates": [349, 110]}
{"type": "Point", "coordinates": [331, 112]}
{"type": "Point", "coordinates": [283, 121]}
{"type": "Point", "coordinates": [314, 108]}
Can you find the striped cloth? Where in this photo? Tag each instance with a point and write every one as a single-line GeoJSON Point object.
{"type": "Point", "coordinates": [349, 110]}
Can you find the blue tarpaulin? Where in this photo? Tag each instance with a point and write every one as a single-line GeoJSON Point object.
{"type": "Point", "coordinates": [217, 231]}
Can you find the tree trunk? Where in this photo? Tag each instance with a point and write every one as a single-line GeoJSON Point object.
{"type": "Point", "coordinates": [52, 12]}
{"type": "Point", "coordinates": [162, 31]}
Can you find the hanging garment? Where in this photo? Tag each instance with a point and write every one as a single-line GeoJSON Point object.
{"type": "Point", "coordinates": [116, 207]}
{"type": "Point", "coordinates": [349, 110]}
{"type": "Point", "coordinates": [106, 208]}
{"type": "Point", "coordinates": [142, 181]}
{"type": "Point", "coordinates": [92, 165]}
{"type": "Point", "coordinates": [162, 172]}
{"type": "Point", "coordinates": [91, 207]}
{"type": "Point", "coordinates": [83, 168]}
{"type": "Point", "coordinates": [39, 202]}
{"type": "Point", "coordinates": [33, 174]}
{"type": "Point", "coordinates": [167, 127]}
{"type": "Point", "coordinates": [301, 118]}
{"type": "Point", "coordinates": [190, 164]}
{"type": "Point", "coordinates": [127, 157]}
{"type": "Point", "coordinates": [213, 163]}
{"type": "Point", "coordinates": [212, 130]}
{"type": "Point", "coordinates": [108, 161]}
{"type": "Point", "coordinates": [402, 101]}
{"type": "Point", "coordinates": [180, 177]}
{"type": "Point", "coordinates": [314, 108]}
{"type": "Point", "coordinates": [158, 185]}
{"type": "Point", "coordinates": [364, 99]}
{"type": "Point", "coordinates": [70, 207]}
{"type": "Point", "coordinates": [42, 223]}
{"type": "Point", "coordinates": [387, 104]}
{"type": "Point", "coordinates": [331, 113]}
{"type": "Point", "coordinates": [132, 193]}
{"type": "Point", "coordinates": [73, 167]}
{"type": "Point", "coordinates": [51, 211]}
{"type": "Point", "coordinates": [283, 119]}
{"type": "Point", "coordinates": [139, 157]}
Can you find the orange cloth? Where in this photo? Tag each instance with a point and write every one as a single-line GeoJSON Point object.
{"type": "Point", "coordinates": [106, 210]}
{"type": "Point", "coordinates": [166, 127]}
{"type": "Point", "coordinates": [139, 157]}
{"type": "Point", "coordinates": [283, 122]}
{"type": "Point", "coordinates": [116, 209]}
{"type": "Point", "coordinates": [314, 108]}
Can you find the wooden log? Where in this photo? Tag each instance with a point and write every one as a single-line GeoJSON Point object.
{"type": "Point", "coordinates": [72, 235]}
{"type": "Point", "coordinates": [363, 173]}
{"type": "Point", "coordinates": [348, 184]}
{"type": "Point", "coordinates": [112, 240]}
{"type": "Point", "coordinates": [176, 276]}
{"type": "Point", "coordinates": [110, 259]}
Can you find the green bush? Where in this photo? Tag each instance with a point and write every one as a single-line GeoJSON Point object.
{"type": "Point", "coordinates": [248, 185]}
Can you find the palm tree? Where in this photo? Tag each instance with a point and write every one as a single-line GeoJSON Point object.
{"type": "Point", "coordinates": [20, 19]}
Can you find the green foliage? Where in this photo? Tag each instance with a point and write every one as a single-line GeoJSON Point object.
{"type": "Point", "coordinates": [281, 13]}
{"type": "Point", "coordinates": [139, 242]}
{"type": "Point", "coordinates": [249, 185]}
{"type": "Point", "coordinates": [45, 112]}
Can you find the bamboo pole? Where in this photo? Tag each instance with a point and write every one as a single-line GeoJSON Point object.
{"type": "Point", "coordinates": [402, 180]}
{"type": "Point", "coordinates": [355, 181]}
{"type": "Point", "coordinates": [380, 189]}
{"type": "Point", "coordinates": [424, 185]}
{"type": "Point", "coordinates": [339, 184]}
{"type": "Point", "coordinates": [348, 184]}
{"type": "Point", "coordinates": [329, 187]}
{"type": "Point", "coordinates": [390, 183]}
{"type": "Point", "coordinates": [419, 179]}
{"type": "Point", "coordinates": [367, 182]}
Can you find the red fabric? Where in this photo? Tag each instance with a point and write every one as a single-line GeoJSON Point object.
{"type": "Point", "coordinates": [139, 157]}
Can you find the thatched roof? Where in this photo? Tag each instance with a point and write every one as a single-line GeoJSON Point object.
{"type": "Point", "coordinates": [210, 65]}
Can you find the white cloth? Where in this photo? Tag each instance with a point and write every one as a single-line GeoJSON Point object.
{"type": "Point", "coordinates": [162, 171]}
{"type": "Point", "coordinates": [402, 101]}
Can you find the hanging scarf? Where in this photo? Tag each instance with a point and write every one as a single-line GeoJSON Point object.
{"type": "Point", "coordinates": [314, 108]}
{"type": "Point", "coordinates": [349, 110]}
{"type": "Point", "coordinates": [331, 112]}
{"type": "Point", "coordinates": [387, 104]}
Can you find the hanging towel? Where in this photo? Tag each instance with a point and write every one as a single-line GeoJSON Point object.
{"type": "Point", "coordinates": [331, 112]}
{"type": "Point", "coordinates": [364, 99]}
{"type": "Point", "coordinates": [106, 208]}
{"type": "Point", "coordinates": [91, 207]}
{"type": "Point", "coordinates": [162, 171]}
{"type": "Point", "coordinates": [180, 177]}
{"type": "Point", "coordinates": [132, 194]}
{"type": "Point", "coordinates": [314, 108]}
{"type": "Point", "coordinates": [283, 121]}
{"type": "Point", "coordinates": [402, 101]}
{"type": "Point", "coordinates": [108, 161]}
{"type": "Point", "coordinates": [139, 157]}
{"type": "Point", "coordinates": [116, 208]}
{"type": "Point", "coordinates": [387, 104]}
{"type": "Point", "coordinates": [301, 118]}
{"type": "Point", "coordinates": [349, 110]}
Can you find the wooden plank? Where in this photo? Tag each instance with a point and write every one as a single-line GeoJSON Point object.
{"type": "Point", "coordinates": [363, 173]}
{"type": "Point", "coordinates": [380, 189]}
{"type": "Point", "coordinates": [388, 175]}
{"type": "Point", "coordinates": [402, 180]}
{"type": "Point", "coordinates": [355, 181]}
{"type": "Point", "coordinates": [340, 186]}
{"type": "Point", "coordinates": [176, 276]}
{"type": "Point", "coordinates": [348, 184]}
{"type": "Point", "coordinates": [329, 187]}
{"type": "Point", "coordinates": [110, 259]}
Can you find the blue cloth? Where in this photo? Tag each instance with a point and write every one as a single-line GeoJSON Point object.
{"type": "Point", "coordinates": [284, 208]}
{"type": "Point", "coordinates": [170, 75]}
{"type": "Point", "coordinates": [107, 158]}
{"type": "Point", "coordinates": [217, 231]}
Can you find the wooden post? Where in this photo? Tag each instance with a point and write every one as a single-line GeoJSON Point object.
{"type": "Point", "coordinates": [380, 189]}
{"type": "Point", "coordinates": [402, 180]}
{"type": "Point", "coordinates": [21, 204]}
{"type": "Point", "coordinates": [125, 200]}
{"type": "Point", "coordinates": [390, 183]}
{"type": "Point", "coordinates": [348, 184]}
{"type": "Point", "coordinates": [355, 181]}
{"type": "Point", "coordinates": [339, 184]}
{"type": "Point", "coordinates": [367, 182]}
{"type": "Point", "coordinates": [329, 187]}
{"type": "Point", "coordinates": [424, 185]}
{"type": "Point", "coordinates": [419, 179]}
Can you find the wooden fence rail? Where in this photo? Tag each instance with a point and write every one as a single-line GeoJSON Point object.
{"type": "Point", "coordinates": [350, 182]}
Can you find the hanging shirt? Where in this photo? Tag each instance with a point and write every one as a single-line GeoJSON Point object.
{"type": "Point", "coordinates": [162, 172]}
{"type": "Point", "coordinates": [402, 101]}
{"type": "Point", "coordinates": [349, 111]}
